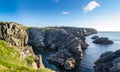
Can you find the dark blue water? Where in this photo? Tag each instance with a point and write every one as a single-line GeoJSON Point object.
{"type": "Point", "coordinates": [95, 50]}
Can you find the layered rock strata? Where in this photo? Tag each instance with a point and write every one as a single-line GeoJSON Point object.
{"type": "Point", "coordinates": [67, 43]}
{"type": "Point", "coordinates": [108, 62]}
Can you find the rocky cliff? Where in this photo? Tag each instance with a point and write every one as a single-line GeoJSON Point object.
{"type": "Point", "coordinates": [108, 62]}
{"type": "Point", "coordinates": [15, 34]}
{"type": "Point", "coordinates": [66, 44]}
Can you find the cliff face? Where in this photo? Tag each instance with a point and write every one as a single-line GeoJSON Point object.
{"type": "Point", "coordinates": [67, 43]}
{"type": "Point", "coordinates": [16, 35]}
{"type": "Point", "coordinates": [13, 34]}
{"type": "Point", "coordinates": [108, 62]}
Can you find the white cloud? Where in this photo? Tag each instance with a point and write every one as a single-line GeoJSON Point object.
{"type": "Point", "coordinates": [56, 0]}
{"type": "Point", "coordinates": [91, 6]}
{"type": "Point", "coordinates": [65, 12]}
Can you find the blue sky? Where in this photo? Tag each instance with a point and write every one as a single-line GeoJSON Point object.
{"type": "Point", "coordinates": [103, 15]}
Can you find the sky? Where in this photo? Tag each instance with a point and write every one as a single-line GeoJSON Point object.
{"type": "Point", "coordinates": [103, 15]}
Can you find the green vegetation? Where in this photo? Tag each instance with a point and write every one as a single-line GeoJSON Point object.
{"type": "Point", "coordinates": [30, 59]}
{"type": "Point", "coordinates": [48, 28]}
{"type": "Point", "coordinates": [10, 61]}
{"type": "Point", "coordinates": [24, 27]}
{"type": "Point", "coordinates": [2, 23]}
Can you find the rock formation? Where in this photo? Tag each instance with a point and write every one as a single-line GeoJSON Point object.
{"type": "Point", "coordinates": [103, 40]}
{"type": "Point", "coordinates": [39, 61]}
{"type": "Point", "coordinates": [108, 62]}
{"type": "Point", "coordinates": [67, 43]}
{"type": "Point", "coordinates": [15, 34]}
{"type": "Point", "coordinates": [95, 37]}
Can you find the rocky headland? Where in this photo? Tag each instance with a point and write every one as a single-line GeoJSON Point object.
{"type": "Point", "coordinates": [108, 62]}
{"type": "Point", "coordinates": [66, 44]}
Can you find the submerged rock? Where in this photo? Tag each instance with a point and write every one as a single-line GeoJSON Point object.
{"type": "Point", "coordinates": [103, 40]}
{"type": "Point", "coordinates": [108, 62]}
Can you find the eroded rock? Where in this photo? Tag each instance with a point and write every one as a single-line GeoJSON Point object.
{"type": "Point", "coordinates": [103, 40]}
{"type": "Point", "coordinates": [67, 43]}
{"type": "Point", "coordinates": [13, 34]}
{"type": "Point", "coordinates": [95, 37]}
{"type": "Point", "coordinates": [108, 62]}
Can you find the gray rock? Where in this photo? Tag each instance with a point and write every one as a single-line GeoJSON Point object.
{"type": "Point", "coordinates": [13, 34]}
{"type": "Point", "coordinates": [108, 62]}
{"type": "Point", "coordinates": [103, 40]}
{"type": "Point", "coordinates": [95, 37]}
{"type": "Point", "coordinates": [67, 42]}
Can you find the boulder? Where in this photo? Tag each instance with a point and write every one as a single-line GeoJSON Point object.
{"type": "Point", "coordinates": [95, 37]}
{"type": "Point", "coordinates": [103, 40]}
{"type": "Point", "coordinates": [108, 62]}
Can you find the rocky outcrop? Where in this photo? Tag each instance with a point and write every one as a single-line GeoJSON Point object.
{"type": "Point", "coordinates": [67, 43]}
{"type": "Point", "coordinates": [103, 40]}
{"type": "Point", "coordinates": [95, 37]}
{"type": "Point", "coordinates": [13, 34]}
{"type": "Point", "coordinates": [108, 62]}
{"type": "Point", "coordinates": [39, 61]}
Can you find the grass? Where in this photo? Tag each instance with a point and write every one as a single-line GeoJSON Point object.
{"type": "Point", "coordinates": [11, 62]}
{"type": "Point", "coordinates": [24, 27]}
{"type": "Point", "coordinates": [2, 23]}
{"type": "Point", "coordinates": [30, 59]}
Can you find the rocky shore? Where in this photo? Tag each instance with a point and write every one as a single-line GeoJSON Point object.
{"type": "Point", "coordinates": [66, 44]}
{"type": "Point", "coordinates": [108, 62]}
{"type": "Point", "coordinates": [102, 40]}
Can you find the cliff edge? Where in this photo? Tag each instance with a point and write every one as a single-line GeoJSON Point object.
{"type": "Point", "coordinates": [66, 44]}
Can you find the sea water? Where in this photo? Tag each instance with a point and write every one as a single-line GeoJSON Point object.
{"type": "Point", "coordinates": [93, 52]}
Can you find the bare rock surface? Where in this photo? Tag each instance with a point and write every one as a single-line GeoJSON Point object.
{"type": "Point", "coordinates": [108, 62]}
{"type": "Point", "coordinates": [103, 40]}
{"type": "Point", "coordinates": [68, 44]}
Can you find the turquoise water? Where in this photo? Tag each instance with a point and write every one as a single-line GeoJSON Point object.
{"type": "Point", "coordinates": [95, 50]}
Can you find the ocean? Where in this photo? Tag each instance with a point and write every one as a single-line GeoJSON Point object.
{"type": "Point", "coordinates": [92, 53]}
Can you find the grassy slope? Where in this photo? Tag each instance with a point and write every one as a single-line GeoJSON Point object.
{"type": "Point", "coordinates": [10, 61]}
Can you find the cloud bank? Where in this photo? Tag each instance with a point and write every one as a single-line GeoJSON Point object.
{"type": "Point", "coordinates": [91, 6]}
